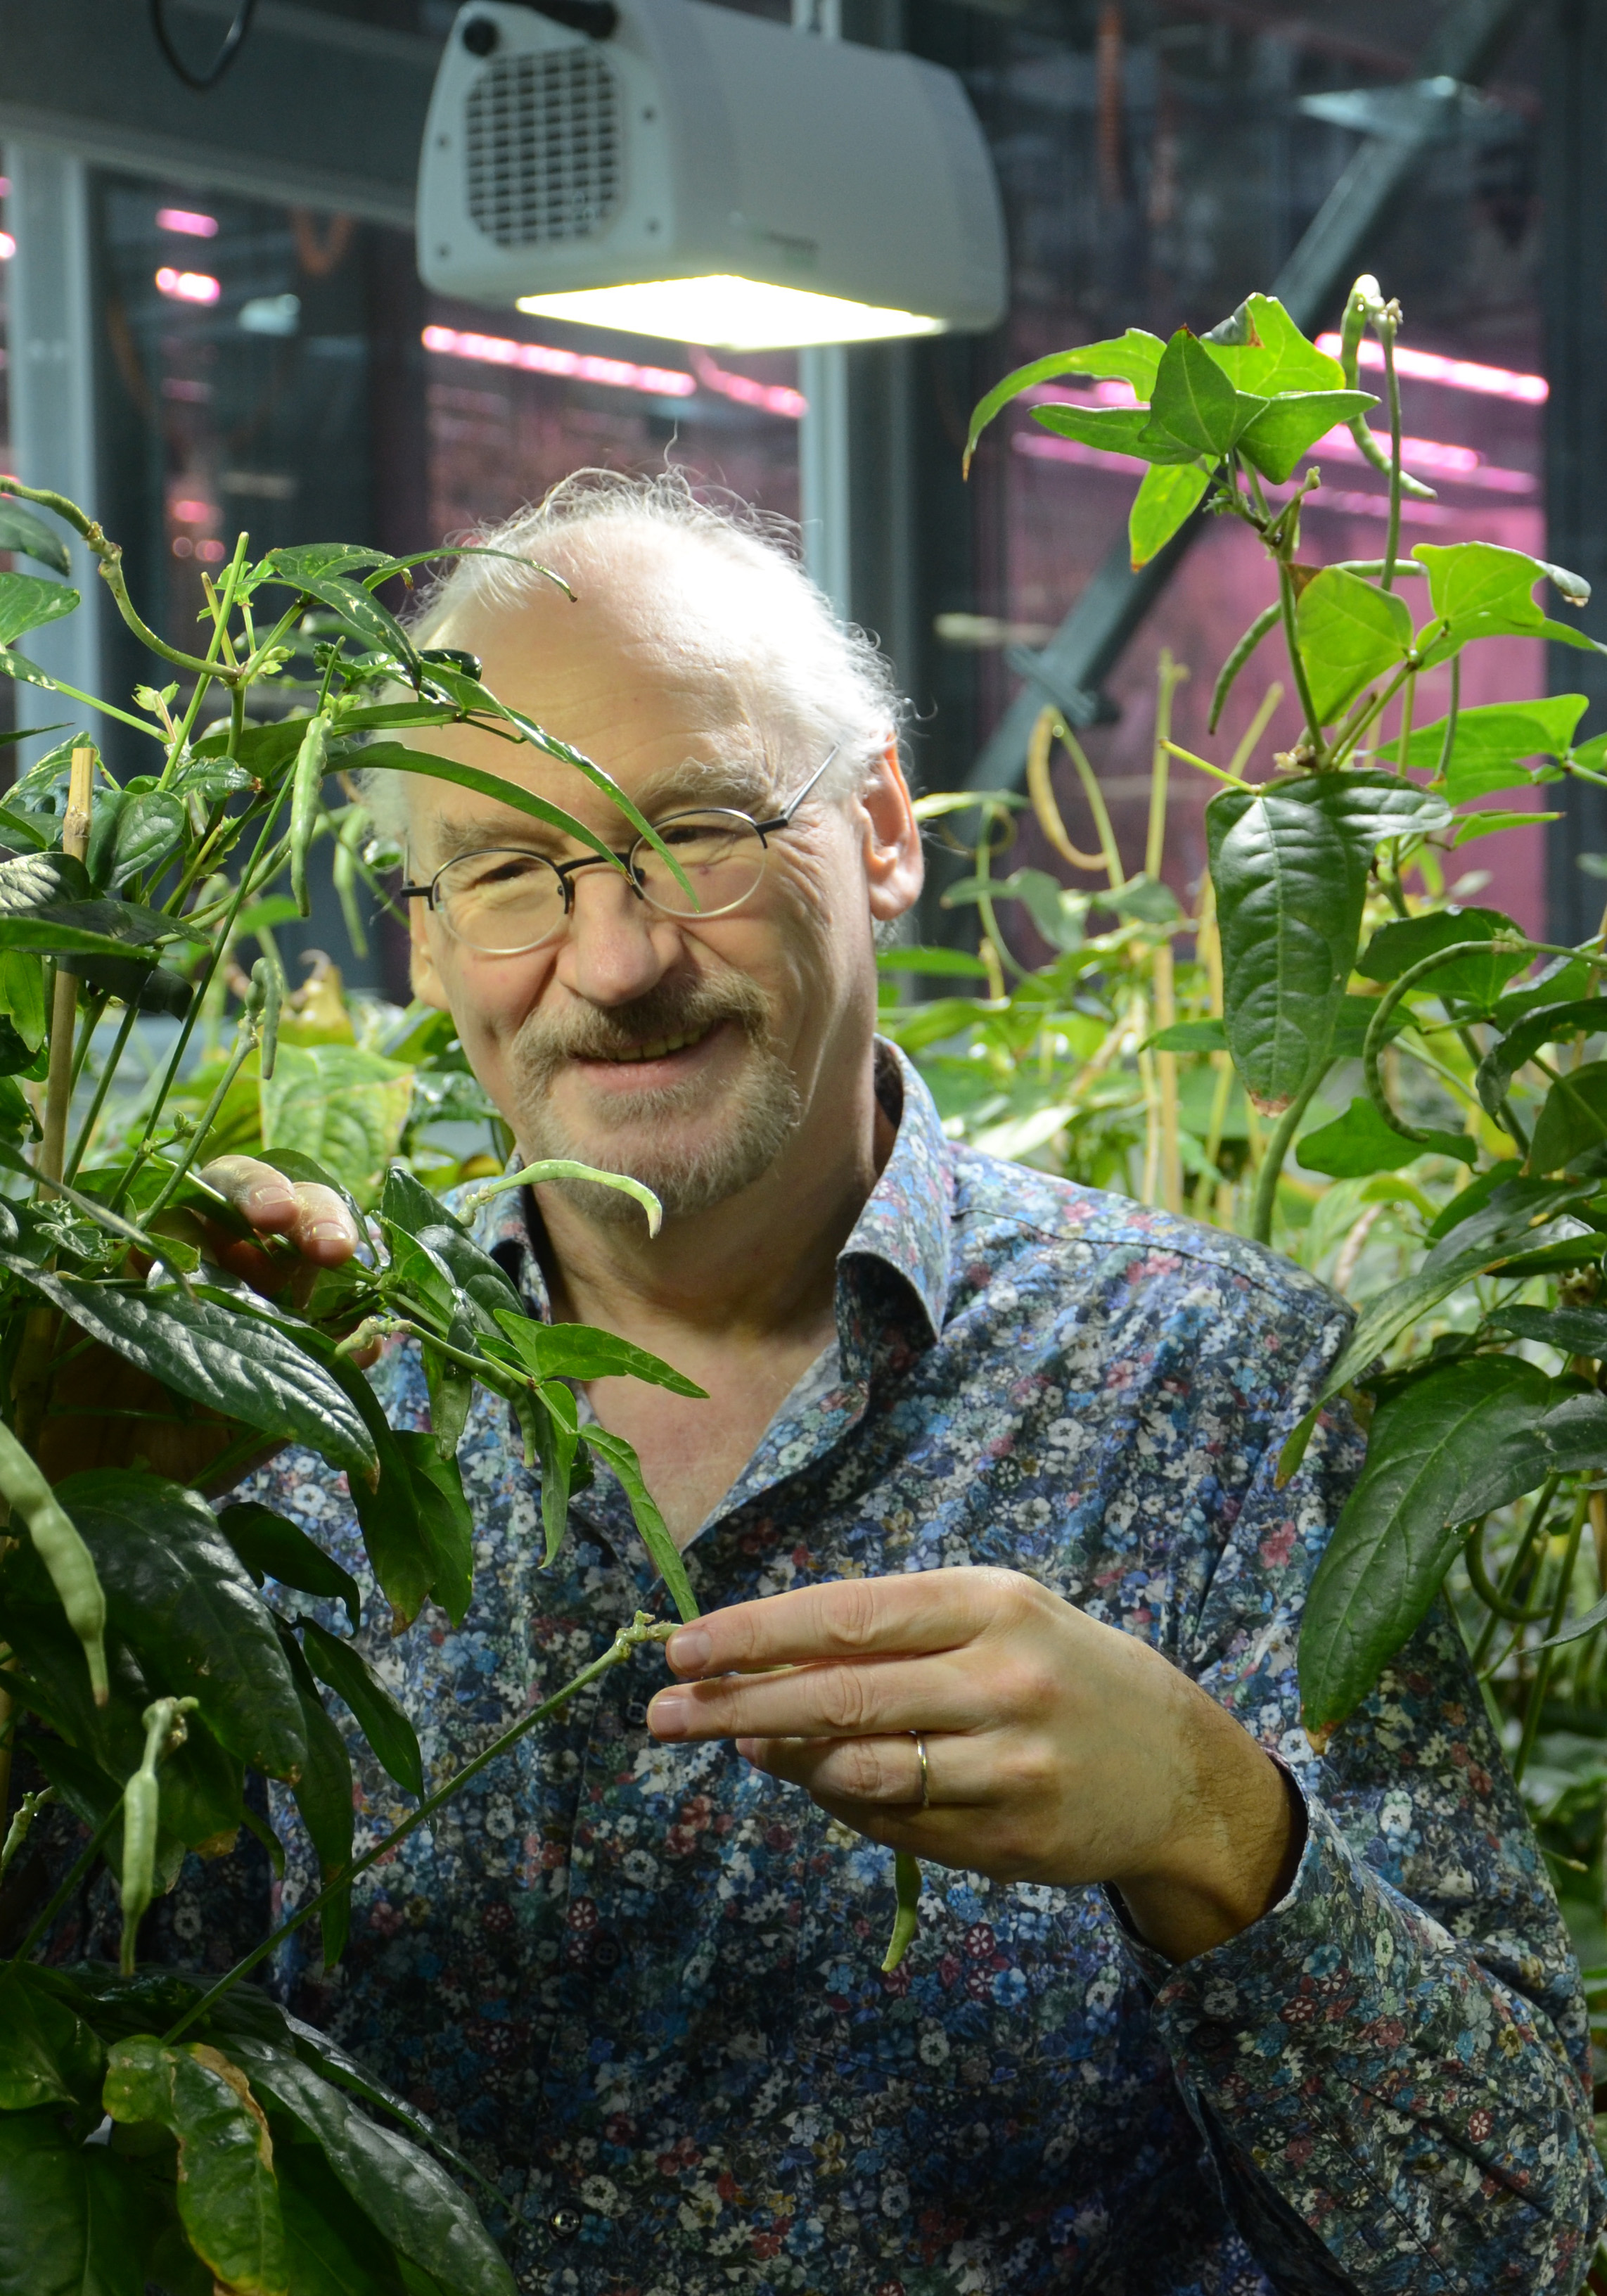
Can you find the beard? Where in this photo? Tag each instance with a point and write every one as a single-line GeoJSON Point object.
{"type": "Point", "coordinates": [664, 1138]}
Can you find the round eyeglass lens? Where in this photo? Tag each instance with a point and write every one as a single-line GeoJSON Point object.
{"type": "Point", "coordinates": [721, 855]}
{"type": "Point", "coordinates": [501, 902]}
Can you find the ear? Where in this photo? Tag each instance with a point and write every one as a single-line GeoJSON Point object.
{"type": "Point", "coordinates": [421, 967]}
{"type": "Point", "coordinates": [895, 866]}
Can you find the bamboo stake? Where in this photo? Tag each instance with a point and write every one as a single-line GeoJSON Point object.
{"type": "Point", "coordinates": [1172, 674]}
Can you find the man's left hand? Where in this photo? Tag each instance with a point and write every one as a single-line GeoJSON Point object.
{"type": "Point", "coordinates": [1058, 1750]}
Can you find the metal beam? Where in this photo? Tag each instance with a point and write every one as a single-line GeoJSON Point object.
{"type": "Point", "coordinates": [1091, 639]}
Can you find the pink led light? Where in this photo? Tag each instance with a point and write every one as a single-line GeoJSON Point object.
{"type": "Point", "coordinates": [772, 398]}
{"type": "Point", "coordinates": [187, 223]}
{"type": "Point", "coordinates": [8, 247]}
{"type": "Point", "coordinates": [192, 512]}
{"type": "Point", "coordinates": [1463, 464]}
{"type": "Point", "coordinates": [1044, 446]}
{"type": "Point", "coordinates": [1457, 374]}
{"type": "Point", "coordinates": [187, 286]}
{"type": "Point", "coordinates": [545, 358]}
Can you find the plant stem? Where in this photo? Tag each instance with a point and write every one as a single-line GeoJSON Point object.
{"type": "Point", "coordinates": [64, 996]}
{"type": "Point", "coordinates": [642, 1629]}
{"type": "Point", "coordinates": [1278, 1148]}
{"type": "Point", "coordinates": [1543, 1665]}
{"type": "Point", "coordinates": [93, 1116]}
{"type": "Point", "coordinates": [1385, 325]}
{"type": "Point", "coordinates": [1297, 660]}
{"type": "Point", "coordinates": [245, 1044]}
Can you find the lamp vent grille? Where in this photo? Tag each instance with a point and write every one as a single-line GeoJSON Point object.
{"type": "Point", "coordinates": [544, 162]}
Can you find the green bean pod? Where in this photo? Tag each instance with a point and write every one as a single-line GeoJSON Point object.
{"type": "Point", "coordinates": [265, 1010]}
{"type": "Point", "coordinates": [63, 1554]}
{"type": "Point", "coordinates": [906, 1920]}
{"type": "Point", "coordinates": [141, 1813]}
{"type": "Point", "coordinates": [306, 787]}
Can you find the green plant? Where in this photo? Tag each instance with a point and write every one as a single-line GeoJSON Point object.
{"type": "Point", "coordinates": [145, 1667]}
{"type": "Point", "coordinates": [1454, 1179]}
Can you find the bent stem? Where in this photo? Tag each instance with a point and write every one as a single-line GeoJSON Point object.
{"type": "Point", "coordinates": [1277, 1149]}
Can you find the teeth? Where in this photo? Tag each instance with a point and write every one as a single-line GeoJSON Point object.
{"type": "Point", "coordinates": [663, 1044]}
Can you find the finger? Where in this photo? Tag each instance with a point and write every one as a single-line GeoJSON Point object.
{"type": "Point", "coordinates": [257, 1192]}
{"type": "Point", "coordinates": [322, 1230]}
{"type": "Point", "coordinates": [963, 1771]}
{"type": "Point", "coordinates": [881, 1699]}
{"type": "Point", "coordinates": [856, 1617]}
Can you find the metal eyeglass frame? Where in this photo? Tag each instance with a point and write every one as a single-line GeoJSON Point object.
{"type": "Point", "coordinates": [566, 872]}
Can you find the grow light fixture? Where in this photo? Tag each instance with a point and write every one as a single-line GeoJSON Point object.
{"type": "Point", "coordinates": [687, 171]}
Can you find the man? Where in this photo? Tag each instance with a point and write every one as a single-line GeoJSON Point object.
{"type": "Point", "coordinates": [981, 1508]}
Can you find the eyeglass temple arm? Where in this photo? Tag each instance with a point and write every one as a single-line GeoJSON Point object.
{"type": "Point", "coordinates": [783, 819]}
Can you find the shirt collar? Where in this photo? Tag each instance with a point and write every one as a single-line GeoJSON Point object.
{"type": "Point", "coordinates": [905, 1226]}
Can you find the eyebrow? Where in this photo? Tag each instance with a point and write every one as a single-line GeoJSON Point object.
{"type": "Point", "coordinates": [743, 783]}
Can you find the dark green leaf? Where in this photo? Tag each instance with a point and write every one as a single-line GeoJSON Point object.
{"type": "Point", "coordinates": [70, 2215]}
{"type": "Point", "coordinates": [148, 830]}
{"type": "Point", "coordinates": [148, 988]}
{"type": "Point", "coordinates": [373, 622]}
{"type": "Point", "coordinates": [252, 1373]}
{"type": "Point", "coordinates": [342, 1667]}
{"type": "Point", "coordinates": [29, 537]}
{"type": "Point", "coordinates": [1473, 980]}
{"type": "Point", "coordinates": [1576, 1330]}
{"type": "Point", "coordinates": [388, 1513]}
{"type": "Point", "coordinates": [1290, 864]}
{"type": "Point", "coordinates": [1491, 742]}
{"type": "Point", "coordinates": [1351, 633]}
{"type": "Point", "coordinates": [48, 2056]}
{"type": "Point", "coordinates": [271, 1548]}
{"type": "Point", "coordinates": [176, 1592]}
{"type": "Point", "coordinates": [578, 1351]}
{"type": "Point", "coordinates": [1193, 406]}
{"type": "Point", "coordinates": [227, 2199]}
{"type": "Point", "coordinates": [1360, 1141]}
{"type": "Point", "coordinates": [451, 1387]}
{"type": "Point", "coordinates": [1288, 426]}
{"type": "Point", "coordinates": [1134, 357]}
{"type": "Point", "coordinates": [324, 1797]}
{"type": "Point", "coordinates": [444, 1517]}
{"type": "Point", "coordinates": [1446, 1449]}
{"type": "Point", "coordinates": [1553, 1024]}
{"type": "Point", "coordinates": [396, 758]}
{"type": "Point", "coordinates": [551, 1419]}
{"type": "Point", "coordinates": [34, 881]}
{"type": "Point", "coordinates": [665, 1555]}
{"type": "Point", "coordinates": [18, 666]}
{"type": "Point", "coordinates": [411, 2201]}
{"type": "Point", "coordinates": [1573, 1119]}
{"type": "Point", "coordinates": [27, 603]}
{"type": "Point", "coordinates": [1167, 495]}
{"type": "Point", "coordinates": [333, 2249]}
{"type": "Point", "coordinates": [934, 961]}
{"type": "Point", "coordinates": [414, 1274]}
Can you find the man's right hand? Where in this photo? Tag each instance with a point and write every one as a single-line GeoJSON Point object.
{"type": "Point", "coordinates": [105, 1412]}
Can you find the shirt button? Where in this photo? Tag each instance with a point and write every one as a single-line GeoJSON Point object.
{"type": "Point", "coordinates": [565, 2222]}
{"type": "Point", "coordinates": [1212, 2037]}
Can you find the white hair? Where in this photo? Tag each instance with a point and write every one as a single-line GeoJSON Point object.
{"type": "Point", "coordinates": [803, 679]}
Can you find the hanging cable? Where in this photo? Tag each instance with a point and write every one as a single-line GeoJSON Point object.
{"type": "Point", "coordinates": [201, 81]}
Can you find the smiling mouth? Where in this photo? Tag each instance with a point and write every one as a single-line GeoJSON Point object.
{"type": "Point", "coordinates": [660, 1048]}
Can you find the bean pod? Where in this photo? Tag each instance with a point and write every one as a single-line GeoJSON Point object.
{"type": "Point", "coordinates": [141, 1812]}
{"type": "Point", "coordinates": [306, 787]}
{"type": "Point", "coordinates": [61, 1550]}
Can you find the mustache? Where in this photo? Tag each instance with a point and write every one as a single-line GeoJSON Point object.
{"type": "Point", "coordinates": [609, 1032]}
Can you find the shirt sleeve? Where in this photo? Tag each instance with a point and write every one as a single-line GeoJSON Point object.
{"type": "Point", "coordinates": [1391, 2068]}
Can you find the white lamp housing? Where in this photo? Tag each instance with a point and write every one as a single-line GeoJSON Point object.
{"type": "Point", "coordinates": [706, 176]}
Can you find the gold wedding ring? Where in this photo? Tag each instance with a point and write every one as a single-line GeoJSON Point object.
{"type": "Point", "coordinates": [925, 1774]}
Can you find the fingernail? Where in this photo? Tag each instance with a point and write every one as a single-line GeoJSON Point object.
{"type": "Point", "coordinates": [689, 1650]}
{"type": "Point", "coordinates": [263, 1199]}
{"type": "Point", "coordinates": [667, 1715]}
{"type": "Point", "coordinates": [329, 1231]}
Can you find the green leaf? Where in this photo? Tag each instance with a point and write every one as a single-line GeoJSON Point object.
{"type": "Point", "coordinates": [1193, 406]}
{"type": "Point", "coordinates": [1356, 1017]}
{"type": "Point", "coordinates": [1474, 825]}
{"type": "Point", "coordinates": [25, 672]}
{"type": "Point", "coordinates": [227, 2199]}
{"type": "Point", "coordinates": [1573, 1119]}
{"type": "Point", "coordinates": [388, 1511]}
{"type": "Point", "coordinates": [1287, 427]}
{"type": "Point", "coordinates": [48, 2056]}
{"type": "Point", "coordinates": [1450, 1445]}
{"type": "Point", "coordinates": [1260, 349]}
{"type": "Point", "coordinates": [70, 2215]}
{"type": "Point", "coordinates": [177, 1594]}
{"type": "Point", "coordinates": [1114, 431]}
{"type": "Point", "coordinates": [250, 1372]}
{"type": "Point", "coordinates": [398, 757]}
{"type": "Point", "coordinates": [933, 961]}
{"type": "Point", "coordinates": [1144, 897]}
{"type": "Point", "coordinates": [1133, 357]}
{"type": "Point", "coordinates": [1553, 1024]}
{"type": "Point", "coordinates": [27, 603]}
{"type": "Point", "coordinates": [340, 1105]}
{"type": "Point", "coordinates": [1351, 632]}
{"type": "Point", "coordinates": [1290, 863]}
{"type": "Point", "coordinates": [29, 537]}
{"type": "Point", "coordinates": [445, 1519]}
{"type": "Point", "coordinates": [410, 2201]}
{"type": "Point", "coordinates": [22, 995]}
{"type": "Point", "coordinates": [271, 1548]}
{"type": "Point", "coordinates": [1499, 1235]}
{"type": "Point", "coordinates": [333, 2249]}
{"type": "Point", "coordinates": [1057, 912]}
{"type": "Point", "coordinates": [298, 569]}
{"type": "Point", "coordinates": [654, 1532]}
{"type": "Point", "coordinates": [579, 1351]}
{"type": "Point", "coordinates": [451, 1387]}
{"type": "Point", "coordinates": [324, 1797]}
{"type": "Point", "coordinates": [147, 830]}
{"type": "Point", "coordinates": [1576, 1330]}
{"type": "Point", "coordinates": [1470, 979]}
{"type": "Point", "coordinates": [553, 1420]}
{"type": "Point", "coordinates": [1478, 590]}
{"type": "Point", "coordinates": [1491, 742]}
{"type": "Point", "coordinates": [1190, 1036]}
{"type": "Point", "coordinates": [1361, 1142]}
{"type": "Point", "coordinates": [342, 1668]}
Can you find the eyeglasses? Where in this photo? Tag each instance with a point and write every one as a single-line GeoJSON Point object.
{"type": "Point", "coordinates": [508, 900]}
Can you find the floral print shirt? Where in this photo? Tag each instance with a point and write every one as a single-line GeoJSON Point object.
{"type": "Point", "coordinates": [640, 1985]}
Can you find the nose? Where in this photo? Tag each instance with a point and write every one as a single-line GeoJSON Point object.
{"type": "Point", "coordinates": [615, 947]}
